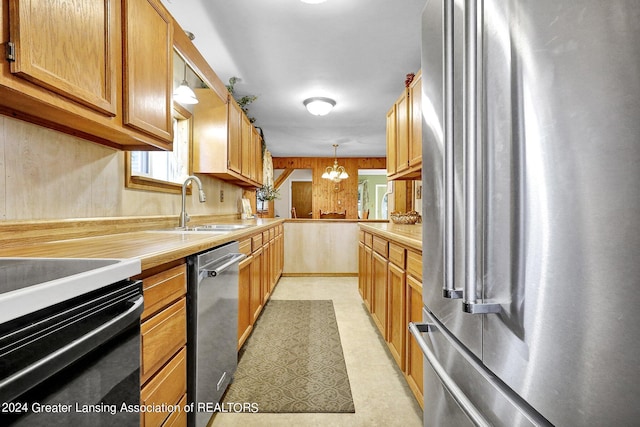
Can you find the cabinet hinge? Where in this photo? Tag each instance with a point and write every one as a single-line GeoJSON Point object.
{"type": "Point", "coordinates": [10, 53]}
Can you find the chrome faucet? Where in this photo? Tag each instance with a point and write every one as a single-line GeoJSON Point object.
{"type": "Point", "coordinates": [184, 217]}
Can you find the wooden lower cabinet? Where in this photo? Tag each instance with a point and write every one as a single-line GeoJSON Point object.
{"type": "Point", "coordinates": [245, 317]}
{"type": "Point", "coordinates": [414, 359]}
{"type": "Point", "coordinates": [163, 337]}
{"type": "Point", "coordinates": [258, 276]}
{"type": "Point", "coordinates": [169, 386]}
{"type": "Point", "coordinates": [390, 283]}
{"type": "Point", "coordinates": [396, 328]}
{"type": "Point", "coordinates": [379, 296]}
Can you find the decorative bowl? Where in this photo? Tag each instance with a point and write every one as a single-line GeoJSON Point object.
{"type": "Point", "coordinates": [410, 217]}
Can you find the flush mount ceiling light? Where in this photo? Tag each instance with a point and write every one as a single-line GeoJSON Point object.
{"type": "Point", "coordinates": [313, 1]}
{"type": "Point", "coordinates": [335, 173]}
{"type": "Point", "coordinates": [319, 106]}
{"type": "Point", "coordinates": [183, 93]}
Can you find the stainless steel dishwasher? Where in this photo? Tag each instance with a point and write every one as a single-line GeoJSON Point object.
{"type": "Point", "coordinates": [212, 324]}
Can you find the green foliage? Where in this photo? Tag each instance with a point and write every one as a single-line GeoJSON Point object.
{"type": "Point", "coordinates": [267, 192]}
{"type": "Point", "coordinates": [242, 101]}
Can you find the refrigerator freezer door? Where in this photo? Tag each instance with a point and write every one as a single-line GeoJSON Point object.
{"type": "Point", "coordinates": [562, 237]}
{"type": "Point", "coordinates": [461, 391]}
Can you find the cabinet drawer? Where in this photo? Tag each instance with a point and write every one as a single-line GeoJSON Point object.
{"type": "Point", "coordinates": [272, 233]}
{"type": "Point", "coordinates": [265, 236]}
{"type": "Point", "coordinates": [162, 336]}
{"type": "Point", "coordinates": [168, 387]}
{"type": "Point", "coordinates": [178, 418]}
{"type": "Point", "coordinates": [381, 246]}
{"type": "Point", "coordinates": [368, 239]}
{"type": "Point", "coordinates": [414, 264]}
{"type": "Point", "coordinates": [361, 236]}
{"type": "Point", "coordinates": [163, 288]}
{"type": "Point", "coordinates": [396, 254]}
{"type": "Point", "coordinates": [256, 242]}
{"type": "Point", "coordinates": [245, 246]}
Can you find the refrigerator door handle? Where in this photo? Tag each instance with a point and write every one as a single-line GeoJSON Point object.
{"type": "Point", "coordinates": [417, 329]}
{"type": "Point", "coordinates": [470, 302]}
{"type": "Point", "coordinates": [448, 286]}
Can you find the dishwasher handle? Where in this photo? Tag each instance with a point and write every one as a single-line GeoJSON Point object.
{"type": "Point", "coordinates": [217, 266]}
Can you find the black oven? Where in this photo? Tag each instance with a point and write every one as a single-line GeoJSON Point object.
{"type": "Point", "coordinates": [75, 363]}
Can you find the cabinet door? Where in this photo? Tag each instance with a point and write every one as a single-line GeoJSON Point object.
{"type": "Point", "coordinates": [396, 329]}
{"type": "Point", "coordinates": [414, 358]}
{"type": "Point", "coordinates": [391, 141]}
{"type": "Point", "coordinates": [402, 132]}
{"type": "Point", "coordinates": [148, 68]}
{"type": "Point", "coordinates": [68, 47]}
{"type": "Point", "coordinates": [257, 147]}
{"type": "Point", "coordinates": [256, 285]}
{"type": "Point", "coordinates": [235, 137]}
{"type": "Point", "coordinates": [415, 135]}
{"type": "Point", "coordinates": [379, 297]}
{"type": "Point", "coordinates": [368, 277]}
{"type": "Point", "coordinates": [247, 150]}
{"type": "Point", "coordinates": [245, 317]}
{"type": "Point", "coordinates": [362, 278]}
{"type": "Point", "coordinates": [266, 270]}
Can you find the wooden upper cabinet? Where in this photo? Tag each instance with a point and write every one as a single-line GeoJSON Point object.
{"type": "Point", "coordinates": [247, 151]}
{"type": "Point", "coordinates": [53, 38]}
{"type": "Point", "coordinates": [391, 141]}
{"type": "Point", "coordinates": [402, 132]}
{"type": "Point", "coordinates": [148, 68]}
{"type": "Point", "coordinates": [415, 112]}
{"type": "Point", "coordinates": [257, 150]}
{"type": "Point", "coordinates": [100, 70]}
{"type": "Point", "coordinates": [235, 136]}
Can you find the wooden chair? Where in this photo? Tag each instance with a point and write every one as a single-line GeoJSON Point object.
{"type": "Point", "coordinates": [365, 214]}
{"type": "Point", "coordinates": [333, 215]}
{"type": "Point", "coordinates": [293, 213]}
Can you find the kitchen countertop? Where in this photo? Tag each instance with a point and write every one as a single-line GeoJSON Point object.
{"type": "Point", "coordinates": [409, 235]}
{"type": "Point", "coordinates": [152, 248]}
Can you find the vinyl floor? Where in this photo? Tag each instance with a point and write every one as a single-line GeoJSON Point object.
{"type": "Point", "coordinates": [380, 393]}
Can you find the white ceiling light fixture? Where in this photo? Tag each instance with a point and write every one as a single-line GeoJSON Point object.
{"type": "Point", "coordinates": [319, 106]}
{"type": "Point", "coordinates": [335, 173]}
{"type": "Point", "coordinates": [183, 93]}
{"type": "Point", "coordinates": [313, 1]}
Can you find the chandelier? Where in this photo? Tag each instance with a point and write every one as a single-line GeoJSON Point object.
{"type": "Point", "coordinates": [335, 173]}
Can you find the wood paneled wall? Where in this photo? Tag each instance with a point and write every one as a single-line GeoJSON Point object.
{"type": "Point", "coordinates": [328, 196]}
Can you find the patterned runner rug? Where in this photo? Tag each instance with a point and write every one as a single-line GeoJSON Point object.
{"type": "Point", "coordinates": [293, 361]}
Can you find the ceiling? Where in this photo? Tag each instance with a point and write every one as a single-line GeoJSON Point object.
{"type": "Point", "coordinates": [356, 52]}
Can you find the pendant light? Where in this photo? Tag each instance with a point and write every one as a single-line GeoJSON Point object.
{"type": "Point", "coordinates": [183, 93]}
{"type": "Point", "coordinates": [335, 173]}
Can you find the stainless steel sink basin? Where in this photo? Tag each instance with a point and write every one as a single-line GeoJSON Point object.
{"type": "Point", "coordinates": [221, 227]}
{"type": "Point", "coordinates": [29, 284]}
{"type": "Point", "coordinates": [206, 228]}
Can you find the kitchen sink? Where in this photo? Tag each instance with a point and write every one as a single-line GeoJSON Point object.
{"type": "Point", "coordinates": [221, 227]}
{"type": "Point", "coordinates": [206, 228]}
{"type": "Point", "coordinates": [29, 284]}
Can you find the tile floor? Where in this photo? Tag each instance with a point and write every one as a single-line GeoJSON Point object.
{"type": "Point", "coordinates": [380, 393]}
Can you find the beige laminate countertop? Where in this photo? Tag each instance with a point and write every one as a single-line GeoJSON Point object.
{"type": "Point", "coordinates": [409, 235]}
{"type": "Point", "coordinates": [152, 248]}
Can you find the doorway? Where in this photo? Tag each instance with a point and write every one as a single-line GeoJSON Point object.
{"type": "Point", "coordinates": [301, 198]}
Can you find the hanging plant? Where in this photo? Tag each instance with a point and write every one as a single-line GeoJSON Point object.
{"type": "Point", "coordinates": [267, 193]}
{"type": "Point", "coordinates": [242, 101]}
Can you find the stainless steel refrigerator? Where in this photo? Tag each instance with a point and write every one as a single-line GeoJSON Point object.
{"type": "Point", "coordinates": [531, 212]}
